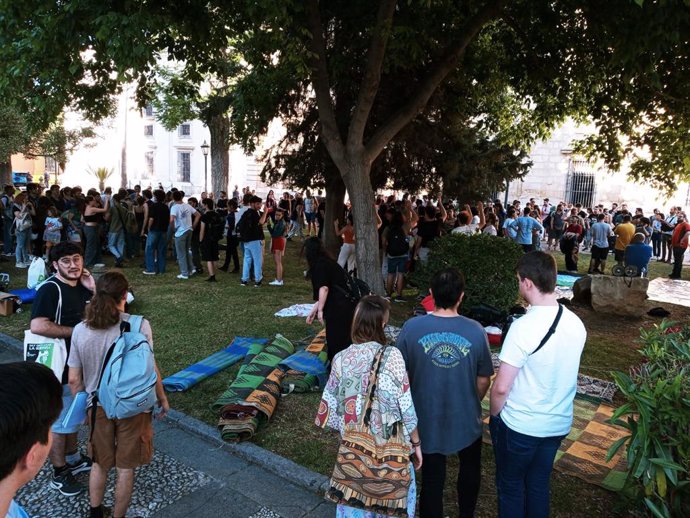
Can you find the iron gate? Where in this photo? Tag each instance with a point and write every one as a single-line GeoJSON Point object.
{"type": "Point", "coordinates": [581, 184]}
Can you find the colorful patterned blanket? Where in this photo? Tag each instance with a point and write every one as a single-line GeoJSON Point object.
{"type": "Point", "coordinates": [252, 397]}
{"type": "Point", "coordinates": [190, 376]}
{"type": "Point", "coordinates": [583, 452]}
{"type": "Point", "coordinates": [305, 370]}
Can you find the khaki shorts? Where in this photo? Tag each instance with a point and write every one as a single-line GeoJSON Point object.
{"type": "Point", "coordinates": [123, 443]}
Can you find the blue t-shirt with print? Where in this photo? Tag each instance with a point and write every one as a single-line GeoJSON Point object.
{"type": "Point", "coordinates": [15, 511]}
{"type": "Point", "coordinates": [444, 356]}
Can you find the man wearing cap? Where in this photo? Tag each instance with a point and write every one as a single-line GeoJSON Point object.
{"type": "Point", "coordinates": [252, 234]}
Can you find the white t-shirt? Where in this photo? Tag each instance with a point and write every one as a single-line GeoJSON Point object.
{"type": "Point", "coordinates": [540, 403]}
{"type": "Point", "coordinates": [183, 213]}
{"type": "Point", "coordinates": [469, 230]}
{"type": "Point", "coordinates": [490, 230]}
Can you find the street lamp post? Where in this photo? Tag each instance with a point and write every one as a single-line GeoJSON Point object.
{"type": "Point", "coordinates": [204, 149]}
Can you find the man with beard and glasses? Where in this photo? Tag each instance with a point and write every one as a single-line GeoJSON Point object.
{"type": "Point", "coordinates": [72, 288]}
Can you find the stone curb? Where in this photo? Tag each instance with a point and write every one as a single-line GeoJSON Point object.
{"type": "Point", "coordinates": [280, 466]}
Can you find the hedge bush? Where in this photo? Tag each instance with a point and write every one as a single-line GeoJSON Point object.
{"type": "Point", "coordinates": [657, 415]}
{"type": "Point", "coordinates": [487, 262]}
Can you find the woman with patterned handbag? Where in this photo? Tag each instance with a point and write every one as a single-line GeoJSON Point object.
{"type": "Point", "coordinates": [367, 399]}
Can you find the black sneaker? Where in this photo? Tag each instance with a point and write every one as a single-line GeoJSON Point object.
{"type": "Point", "coordinates": [66, 483]}
{"type": "Point", "coordinates": [243, 283]}
{"type": "Point", "coordinates": [257, 285]}
{"type": "Point", "coordinates": [81, 466]}
{"type": "Point", "coordinates": [399, 298]}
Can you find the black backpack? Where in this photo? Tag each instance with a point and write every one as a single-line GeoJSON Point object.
{"type": "Point", "coordinates": [355, 288]}
{"type": "Point", "coordinates": [397, 242]}
{"type": "Point", "coordinates": [242, 228]}
{"type": "Point", "coordinates": [216, 227]}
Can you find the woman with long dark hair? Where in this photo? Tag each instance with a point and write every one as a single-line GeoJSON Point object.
{"type": "Point", "coordinates": [333, 307]}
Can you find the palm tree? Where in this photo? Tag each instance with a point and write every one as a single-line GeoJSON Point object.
{"type": "Point", "coordinates": [102, 174]}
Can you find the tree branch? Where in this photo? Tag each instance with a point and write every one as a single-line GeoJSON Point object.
{"type": "Point", "coordinates": [372, 74]}
{"type": "Point", "coordinates": [321, 82]}
{"type": "Point", "coordinates": [436, 75]}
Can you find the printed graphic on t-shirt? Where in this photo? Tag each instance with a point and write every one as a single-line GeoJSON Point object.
{"type": "Point", "coordinates": [445, 349]}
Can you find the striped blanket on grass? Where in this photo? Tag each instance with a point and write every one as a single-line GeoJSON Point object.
{"type": "Point", "coordinates": [190, 376]}
{"type": "Point", "coordinates": [306, 370]}
{"type": "Point", "coordinates": [252, 397]}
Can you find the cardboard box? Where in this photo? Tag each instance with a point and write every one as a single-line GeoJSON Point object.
{"type": "Point", "coordinates": [7, 301]}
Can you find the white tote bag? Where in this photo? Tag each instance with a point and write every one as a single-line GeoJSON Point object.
{"type": "Point", "coordinates": [51, 352]}
{"type": "Point", "coordinates": [37, 273]}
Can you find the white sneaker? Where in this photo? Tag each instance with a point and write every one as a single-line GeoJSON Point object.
{"type": "Point", "coordinates": [276, 283]}
{"type": "Point", "coordinates": [145, 272]}
{"type": "Point", "coordinates": [21, 265]}
{"type": "Point", "coordinates": [183, 277]}
{"type": "Point", "coordinates": [99, 265]}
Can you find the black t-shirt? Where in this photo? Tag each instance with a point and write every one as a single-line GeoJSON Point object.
{"type": "Point", "coordinates": [209, 218]}
{"type": "Point", "coordinates": [74, 300]}
{"type": "Point", "coordinates": [326, 272]}
{"type": "Point", "coordinates": [256, 231]}
{"type": "Point", "coordinates": [427, 231]}
{"type": "Point", "coordinates": [160, 213]}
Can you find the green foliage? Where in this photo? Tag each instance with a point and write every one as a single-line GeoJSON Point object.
{"type": "Point", "coordinates": [657, 412]}
{"type": "Point", "coordinates": [14, 134]}
{"type": "Point", "coordinates": [487, 262]}
{"type": "Point", "coordinates": [58, 142]}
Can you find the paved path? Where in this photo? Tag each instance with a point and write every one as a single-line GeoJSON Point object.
{"type": "Point", "coordinates": [189, 476]}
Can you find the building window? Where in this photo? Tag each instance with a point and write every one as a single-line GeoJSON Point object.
{"type": "Point", "coordinates": [184, 166]}
{"type": "Point", "coordinates": [148, 110]}
{"type": "Point", "coordinates": [581, 183]}
{"type": "Point", "coordinates": [51, 165]}
{"type": "Point", "coordinates": [184, 130]}
{"type": "Point", "coordinates": [148, 170]}
{"type": "Point", "coordinates": [148, 130]}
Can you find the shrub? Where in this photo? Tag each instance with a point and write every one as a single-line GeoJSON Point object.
{"type": "Point", "coordinates": [488, 263]}
{"type": "Point", "coordinates": [658, 418]}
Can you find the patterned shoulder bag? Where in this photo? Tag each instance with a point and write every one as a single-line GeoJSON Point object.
{"type": "Point", "coordinates": [370, 475]}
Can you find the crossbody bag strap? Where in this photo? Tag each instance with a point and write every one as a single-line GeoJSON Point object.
{"type": "Point", "coordinates": [373, 380]}
{"type": "Point", "coordinates": [58, 310]}
{"type": "Point", "coordinates": [551, 330]}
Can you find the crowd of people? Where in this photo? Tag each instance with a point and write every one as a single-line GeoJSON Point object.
{"type": "Point", "coordinates": [431, 381]}
{"type": "Point", "coordinates": [153, 225]}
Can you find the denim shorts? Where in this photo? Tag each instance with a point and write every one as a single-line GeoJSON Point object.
{"type": "Point", "coordinates": [67, 399]}
{"type": "Point", "coordinates": [397, 264]}
{"type": "Point", "coordinates": [310, 216]}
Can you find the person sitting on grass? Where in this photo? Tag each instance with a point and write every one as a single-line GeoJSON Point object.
{"type": "Point", "coordinates": [278, 230]}
{"type": "Point", "coordinates": [32, 401]}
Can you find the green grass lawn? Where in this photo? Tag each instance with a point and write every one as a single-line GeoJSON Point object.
{"type": "Point", "coordinates": [193, 319]}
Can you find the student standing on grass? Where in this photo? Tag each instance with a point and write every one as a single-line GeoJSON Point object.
{"type": "Point", "coordinates": [123, 443]}
{"type": "Point", "coordinates": [449, 364]}
{"type": "Point", "coordinates": [526, 226]}
{"type": "Point", "coordinates": [532, 395]}
{"type": "Point", "coordinates": [679, 243]}
{"type": "Point", "coordinates": [208, 238]}
{"type": "Point", "coordinates": [333, 307]}
{"type": "Point", "coordinates": [347, 258]}
{"type": "Point", "coordinates": [624, 232]}
{"type": "Point", "coordinates": [231, 239]}
{"type": "Point", "coordinates": [600, 245]}
{"type": "Point", "coordinates": [278, 231]}
{"type": "Point", "coordinates": [72, 288]}
{"type": "Point", "coordinates": [157, 238]}
{"type": "Point", "coordinates": [36, 401]}
{"type": "Point", "coordinates": [252, 234]}
{"type": "Point", "coordinates": [183, 217]}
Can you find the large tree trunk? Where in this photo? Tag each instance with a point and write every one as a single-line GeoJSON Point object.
{"type": "Point", "coordinates": [358, 183]}
{"type": "Point", "coordinates": [335, 201]}
{"type": "Point", "coordinates": [219, 127]}
{"type": "Point", "coordinates": [6, 171]}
